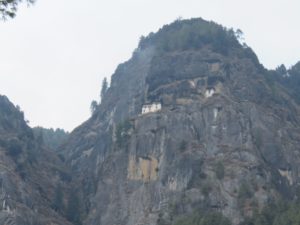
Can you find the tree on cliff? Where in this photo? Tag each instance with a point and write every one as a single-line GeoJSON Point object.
{"type": "Point", "coordinates": [58, 203]}
{"type": "Point", "coordinates": [73, 208]}
{"type": "Point", "coordinates": [93, 106]}
{"type": "Point", "coordinates": [8, 8]}
{"type": "Point", "coordinates": [104, 87]}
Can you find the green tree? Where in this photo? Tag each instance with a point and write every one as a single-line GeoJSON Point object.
{"type": "Point", "coordinates": [219, 170]}
{"type": "Point", "coordinates": [93, 106]}
{"type": "Point", "coordinates": [122, 135]}
{"type": "Point", "coordinates": [14, 148]}
{"type": "Point", "coordinates": [183, 145]}
{"type": "Point", "coordinates": [104, 87]}
{"type": "Point", "coordinates": [207, 218]}
{"type": "Point", "coordinates": [50, 137]}
{"type": "Point", "coordinates": [58, 204]}
{"type": "Point", "coordinates": [239, 34]}
{"type": "Point", "coordinates": [73, 208]}
{"type": "Point", "coordinates": [8, 8]}
{"type": "Point", "coordinates": [281, 69]}
{"type": "Point", "coordinates": [244, 193]}
{"type": "Point", "coordinates": [205, 189]}
{"type": "Point", "coordinates": [214, 219]}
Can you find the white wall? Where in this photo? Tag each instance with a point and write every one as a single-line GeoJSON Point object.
{"type": "Point", "coordinates": [151, 108]}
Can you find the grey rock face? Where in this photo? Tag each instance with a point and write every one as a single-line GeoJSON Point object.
{"type": "Point", "coordinates": [222, 140]}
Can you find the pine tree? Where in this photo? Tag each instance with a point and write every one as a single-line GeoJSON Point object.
{"type": "Point", "coordinates": [93, 106]}
{"type": "Point", "coordinates": [58, 204]}
{"type": "Point", "coordinates": [73, 209]}
{"type": "Point", "coordinates": [104, 87]}
{"type": "Point", "coordinates": [8, 8]}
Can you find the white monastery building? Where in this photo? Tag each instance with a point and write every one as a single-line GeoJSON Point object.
{"type": "Point", "coordinates": [209, 92]}
{"type": "Point", "coordinates": [154, 107]}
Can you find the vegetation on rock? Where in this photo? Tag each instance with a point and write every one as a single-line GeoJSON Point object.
{"type": "Point", "coordinates": [203, 218]}
{"type": "Point", "coordinates": [276, 213]}
{"type": "Point", "coordinates": [122, 134]}
{"type": "Point", "coordinates": [8, 8]}
{"type": "Point", "coordinates": [219, 170]}
{"type": "Point", "coordinates": [52, 138]}
{"type": "Point", "coordinates": [192, 34]}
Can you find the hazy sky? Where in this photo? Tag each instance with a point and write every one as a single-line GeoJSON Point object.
{"type": "Point", "coordinates": [54, 55]}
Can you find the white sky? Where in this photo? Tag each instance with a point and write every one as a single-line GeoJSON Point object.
{"type": "Point", "coordinates": [54, 55]}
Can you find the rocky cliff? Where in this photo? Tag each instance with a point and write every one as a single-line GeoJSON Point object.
{"type": "Point", "coordinates": [226, 139]}
{"type": "Point", "coordinates": [29, 173]}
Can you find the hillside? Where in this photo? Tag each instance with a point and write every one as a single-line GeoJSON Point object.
{"type": "Point", "coordinates": [29, 173]}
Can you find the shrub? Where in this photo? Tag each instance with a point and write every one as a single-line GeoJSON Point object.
{"type": "Point", "coordinates": [207, 218]}
{"type": "Point", "coordinates": [258, 137]}
{"type": "Point", "coordinates": [183, 145]}
{"type": "Point", "coordinates": [14, 148]}
{"type": "Point", "coordinates": [213, 80]}
{"type": "Point", "coordinates": [21, 170]}
{"type": "Point", "coordinates": [279, 213]}
{"type": "Point", "coordinates": [73, 208]}
{"type": "Point", "coordinates": [205, 189]}
{"type": "Point", "coordinates": [244, 193]}
{"type": "Point", "coordinates": [58, 204]}
{"type": "Point", "coordinates": [122, 135]}
{"type": "Point", "coordinates": [219, 170]}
